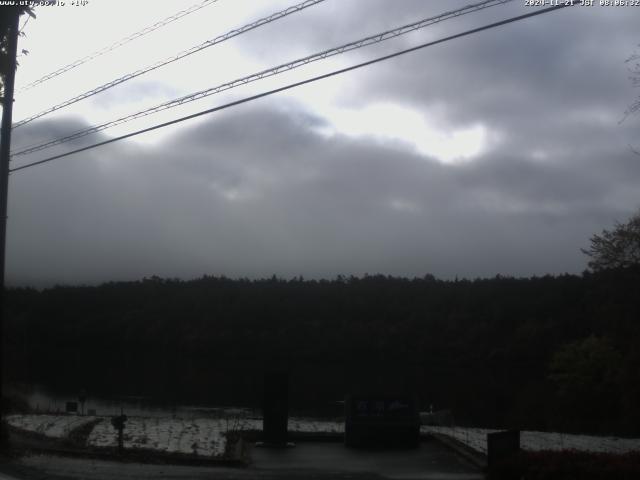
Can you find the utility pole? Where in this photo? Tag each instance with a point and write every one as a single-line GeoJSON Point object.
{"type": "Point", "coordinates": [5, 148]}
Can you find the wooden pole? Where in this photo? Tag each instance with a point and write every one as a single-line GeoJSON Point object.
{"type": "Point", "coordinates": [5, 148]}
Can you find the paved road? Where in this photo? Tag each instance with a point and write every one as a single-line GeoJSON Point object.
{"type": "Point", "coordinates": [314, 461]}
{"type": "Point", "coordinates": [6, 477]}
{"type": "Point", "coordinates": [430, 461]}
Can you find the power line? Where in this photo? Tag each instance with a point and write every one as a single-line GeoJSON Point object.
{"type": "Point", "coordinates": [370, 40]}
{"type": "Point", "coordinates": [185, 53]}
{"type": "Point", "coordinates": [119, 43]}
{"type": "Point", "coordinates": [297, 84]}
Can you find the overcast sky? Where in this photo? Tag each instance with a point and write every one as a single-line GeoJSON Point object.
{"type": "Point", "coordinates": [499, 153]}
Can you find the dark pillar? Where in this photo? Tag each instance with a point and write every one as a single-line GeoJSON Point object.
{"type": "Point", "coordinates": [12, 16]}
{"type": "Point", "coordinates": [275, 409]}
{"type": "Point", "coordinates": [502, 446]}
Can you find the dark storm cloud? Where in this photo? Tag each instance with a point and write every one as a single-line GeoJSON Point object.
{"type": "Point", "coordinates": [258, 191]}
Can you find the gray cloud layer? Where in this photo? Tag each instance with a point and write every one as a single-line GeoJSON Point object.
{"type": "Point", "coordinates": [257, 190]}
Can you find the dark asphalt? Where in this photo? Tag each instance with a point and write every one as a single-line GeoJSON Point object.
{"type": "Point", "coordinates": [431, 461]}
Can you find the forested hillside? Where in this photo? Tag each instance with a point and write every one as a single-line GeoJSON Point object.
{"type": "Point", "coordinates": [537, 353]}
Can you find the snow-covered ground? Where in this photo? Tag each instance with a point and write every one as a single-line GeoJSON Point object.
{"type": "Point", "coordinates": [207, 436]}
{"type": "Point", "coordinates": [204, 436]}
{"type": "Point", "coordinates": [54, 426]}
{"type": "Point", "coordinates": [476, 438]}
{"type": "Point", "coordinates": [200, 436]}
{"type": "Point", "coordinates": [306, 425]}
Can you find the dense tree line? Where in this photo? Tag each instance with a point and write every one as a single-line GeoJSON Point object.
{"type": "Point", "coordinates": [546, 353]}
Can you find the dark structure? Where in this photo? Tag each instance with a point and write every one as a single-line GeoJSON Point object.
{"type": "Point", "coordinates": [71, 407]}
{"type": "Point", "coordinates": [118, 423]}
{"type": "Point", "coordinates": [381, 420]}
{"type": "Point", "coordinates": [275, 409]}
{"type": "Point", "coordinates": [502, 446]}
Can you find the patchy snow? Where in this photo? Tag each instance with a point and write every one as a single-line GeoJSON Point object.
{"type": "Point", "coordinates": [54, 426]}
{"type": "Point", "coordinates": [203, 436]}
{"type": "Point", "coordinates": [562, 441]}
{"type": "Point", "coordinates": [207, 436]}
{"type": "Point", "coordinates": [476, 438]}
{"type": "Point", "coordinates": [199, 436]}
{"type": "Point", "coordinates": [306, 425]}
